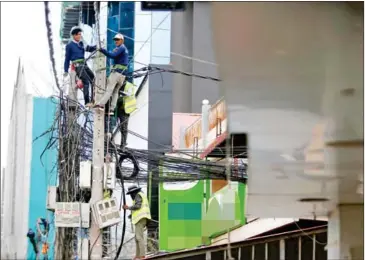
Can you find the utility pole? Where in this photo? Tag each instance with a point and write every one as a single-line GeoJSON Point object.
{"type": "Point", "coordinates": [96, 237]}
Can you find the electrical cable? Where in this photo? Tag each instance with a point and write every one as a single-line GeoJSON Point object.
{"type": "Point", "coordinates": [75, 141]}
{"type": "Point", "coordinates": [50, 44]}
{"type": "Point", "coordinates": [136, 169]}
{"type": "Point", "coordinates": [124, 203]}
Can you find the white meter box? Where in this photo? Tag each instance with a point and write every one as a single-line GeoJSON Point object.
{"type": "Point", "coordinates": [109, 175]}
{"type": "Point", "coordinates": [85, 175]}
{"type": "Point", "coordinates": [106, 212]}
{"type": "Point", "coordinates": [68, 214]}
{"type": "Point", "coordinates": [51, 197]}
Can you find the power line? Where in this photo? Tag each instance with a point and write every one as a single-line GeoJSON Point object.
{"type": "Point", "coordinates": [50, 44]}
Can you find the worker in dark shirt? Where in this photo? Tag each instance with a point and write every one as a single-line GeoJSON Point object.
{"type": "Point", "coordinates": [117, 73]}
{"type": "Point", "coordinates": [75, 53]}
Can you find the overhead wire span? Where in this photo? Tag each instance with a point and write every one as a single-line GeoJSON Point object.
{"type": "Point", "coordinates": [50, 44]}
{"type": "Point", "coordinates": [74, 138]}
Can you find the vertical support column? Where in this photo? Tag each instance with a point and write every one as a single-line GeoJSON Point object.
{"type": "Point", "coordinates": [282, 249]}
{"type": "Point", "coordinates": [98, 156]}
{"type": "Point", "coordinates": [346, 232]}
{"type": "Point", "coordinates": [205, 122]}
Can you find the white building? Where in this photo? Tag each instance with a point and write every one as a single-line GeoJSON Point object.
{"type": "Point", "coordinates": [17, 172]}
{"type": "Point", "coordinates": [25, 179]}
{"type": "Point", "coordinates": [290, 68]}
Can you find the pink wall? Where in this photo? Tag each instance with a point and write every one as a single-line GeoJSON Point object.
{"type": "Point", "coordinates": [181, 120]}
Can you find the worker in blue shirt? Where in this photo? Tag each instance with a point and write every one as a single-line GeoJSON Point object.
{"type": "Point", "coordinates": [75, 53]}
{"type": "Point", "coordinates": [117, 74]}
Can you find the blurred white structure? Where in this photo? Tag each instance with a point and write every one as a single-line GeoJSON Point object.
{"type": "Point", "coordinates": [288, 68]}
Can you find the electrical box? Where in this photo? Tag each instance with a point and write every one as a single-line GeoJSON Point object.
{"type": "Point", "coordinates": [109, 175]}
{"type": "Point", "coordinates": [85, 175]}
{"type": "Point", "coordinates": [51, 198]}
{"type": "Point", "coordinates": [72, 214]}
{"type": "Point", "coordinates": [107, 213]}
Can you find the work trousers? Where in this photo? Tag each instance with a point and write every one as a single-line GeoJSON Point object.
{"type": "Point", "coordinates": [140, 247]}
{"type": "Point", "coordinates": [123, 119]}
{"type": "Point", "coordinates": [115, 81]}
{"type": "Point", "coordinates": [87, 77]}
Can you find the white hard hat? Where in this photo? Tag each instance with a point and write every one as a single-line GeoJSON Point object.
{"type": "Point", "coordinates": [118, 36]}
{"type": "Point", "coordinates": [75, 29]}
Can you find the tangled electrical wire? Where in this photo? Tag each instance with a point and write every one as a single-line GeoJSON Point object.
{"type": "Point", "coordinates": [72, 134]}
{"type": "Point", "coordinates": [133, 162]}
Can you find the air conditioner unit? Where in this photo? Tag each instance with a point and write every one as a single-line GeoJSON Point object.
{"type": "Point", "coordinates": [68, 214]}
{"type": "Point", "coordinates": [106, 213]}
{"type": "Point", "coordinates": [51, 197]}
{"type": "Point", "coordinates": [85, 175]}
{"type": "Point", "coordinates": [109, 175]}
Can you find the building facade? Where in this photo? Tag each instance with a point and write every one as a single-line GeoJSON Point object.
{"type": "Point", "coordinates": [27, 174]}
{"type": "Point", "coordinates": [192, 51]}
{"type": "Point", "coordinates": [200, 209]}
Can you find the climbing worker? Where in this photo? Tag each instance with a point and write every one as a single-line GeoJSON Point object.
{"type": "Point", "coordinates": [75, 53]}
{"type": "Point", "coordinates": [126, 104]}
{"type": "Point", "coordinates": [140, 215]}
{"type": "Point", "coordinates": [117, 72]}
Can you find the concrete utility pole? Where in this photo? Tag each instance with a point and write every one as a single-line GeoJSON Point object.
{"type": "Point", "coordinates": [96, 238]}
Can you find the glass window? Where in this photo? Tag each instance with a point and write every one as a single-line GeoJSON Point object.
{"type": "Point", "coordinates": [142, 53]}
{"type": "Point", "coordinates": [142, 27]}
{"type": "Point", "coordinates": [158, 17]}
{"type": "Point", "coordinates": [161, 43]}
{"type": "Point", "coordinates": [160, 60]}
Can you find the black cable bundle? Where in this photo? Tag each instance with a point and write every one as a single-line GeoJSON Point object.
{"type": "Point", "coordinates": [122, 157]}
{"type": "Point", "coordinates": [124, 202]}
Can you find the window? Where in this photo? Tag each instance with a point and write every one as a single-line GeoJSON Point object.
{"type": "Point", "coordinates": [246, 252]}
{"type": "Point", "coordinates": [273, 250]}
{"type": "Point", "coordinates": [307, 247]}
{"type": "Point", "coordinates": [101, 207]}
{"type": "Point", "coordinates": [291, 248]}
{"type": "Point", "coordinates": [260, 251]}
{"type": "Point", "coordinates": [321, 241]}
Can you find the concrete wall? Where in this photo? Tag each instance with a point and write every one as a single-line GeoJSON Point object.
{"type": "Point", "coordinates": [43, 173]}
{"type": "Point", "coordinates": [191, 36]}
{"type": "Point", "coordinates": [160, 123]}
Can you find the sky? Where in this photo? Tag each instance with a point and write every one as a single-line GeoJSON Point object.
{"type": "Point", "coordinates": [24, 35]}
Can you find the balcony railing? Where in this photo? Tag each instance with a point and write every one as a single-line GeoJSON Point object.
{"type": "Point", "coordinates": [217, 114]}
